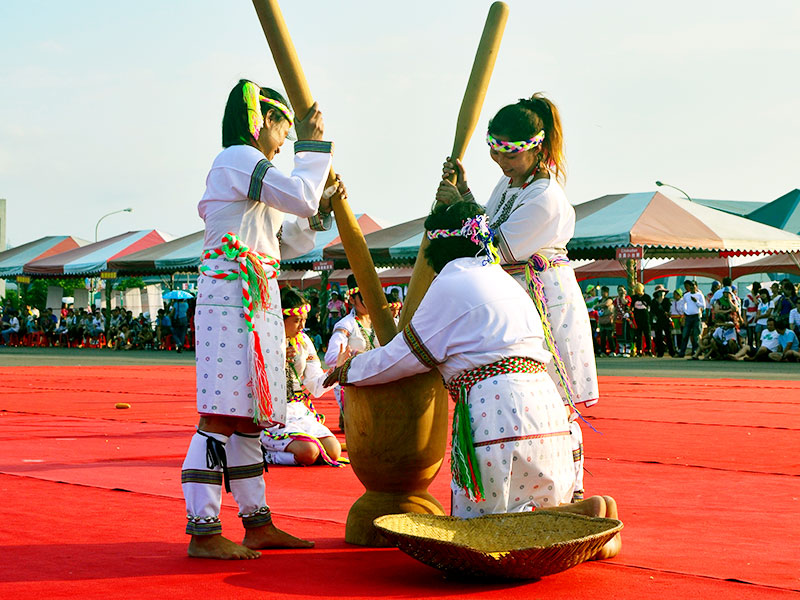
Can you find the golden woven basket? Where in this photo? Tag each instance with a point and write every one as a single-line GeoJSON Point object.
{"type": "Point", "coordinates": [525, 545]}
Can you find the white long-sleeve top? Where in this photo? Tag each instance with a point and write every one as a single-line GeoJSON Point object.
{"type": "Point", "coordinates": [308, 368]}
{"type": "Point", "coordinates": [347, 334]}
{"type": "Point", "coordinates": [472, 315]}
{"type": "Point", "coordinates": [693, 303]}
{"type": "Point", "coordinates": [247, 196]}
{"type": "Point", "coordinates": [541, 219]}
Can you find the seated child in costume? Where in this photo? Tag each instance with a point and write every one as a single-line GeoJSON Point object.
{"type": "Point", "coordinates": [304, 439]}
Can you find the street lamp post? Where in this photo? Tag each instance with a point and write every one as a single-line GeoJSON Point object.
{"type": "Point", "coordinates": [97, 225]}
{"type": "Point", "coordinates": [108, 215]}
{"type": "Point", "coordinates": [661, 183]}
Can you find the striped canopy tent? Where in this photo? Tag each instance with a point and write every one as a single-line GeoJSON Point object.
{"type": "Point", "coordinates": [784, 212]}
{"type": "Point", "coordinates": [93, 259]}
{"type": "Point", "coordinates": [13, 260]}
{"type": "Point", "coordinates": [183, 254]}
{"type": "Point", "coordinates": [715, 267]}
{"type": "Point", "coordinates": [665, 227]}
{"type": "Point", "coordinates": [306, 279]}
{"type": "Point", "coordinates": [393, 246]}
{"type": "Point", "coordinates": [326, 239]}
{"type": "Point", "coordinates": [735, 207]}
{"type": "Point", "coordinates": [602, 269]}
{"type": "Point", "coordinates": [178, 255]}
{"type": "Point", "coordinates": [774, 263]}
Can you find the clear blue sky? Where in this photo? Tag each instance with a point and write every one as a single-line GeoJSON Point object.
{"type": "Point", "coordinates": [106, 105]}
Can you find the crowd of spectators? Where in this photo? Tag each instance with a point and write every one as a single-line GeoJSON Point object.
{"type": "Point", "coordinates": [84, 328]}
{"type": "Point", "coordinates": [761, 323]}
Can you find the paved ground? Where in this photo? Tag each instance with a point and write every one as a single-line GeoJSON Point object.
{"type": "Point", "coordinates": [646, 367]}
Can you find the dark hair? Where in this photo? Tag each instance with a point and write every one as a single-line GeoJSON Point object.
{"type": "Point", "coordinates": [604, 289]}
{"type": "Point", "coordinates": [781, 323]}
{"type": "Point", "coordinates": [442, 250]}
{"type": "Point", "coordinates": [526, 118]}
{"type": "Point", "coordinates": [235, 127]}
{"type": "Point", "coordinates": [291, 298]}
{"type": "Point", "coordinates": [727, 281]}
{"type": "Point", "coordinates": [352, 283]}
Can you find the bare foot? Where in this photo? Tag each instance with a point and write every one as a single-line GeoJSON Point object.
{"type": "Point", "coordinates": [614, 545]}
{"type": "Point", "coordinates": [216, 546]}
{"type": "Point", "coordinates": [594, 506]}
{"type": "Point", "coordinates": [269, 536]}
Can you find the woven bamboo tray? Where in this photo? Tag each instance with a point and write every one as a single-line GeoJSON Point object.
{"type": "Point", "coordinates": [525, 545]}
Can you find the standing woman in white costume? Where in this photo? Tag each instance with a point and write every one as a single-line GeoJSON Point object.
{"type": "Point", "coordinates": [241, 385]}
{"type": "Point", "coordinates": [532, 221]}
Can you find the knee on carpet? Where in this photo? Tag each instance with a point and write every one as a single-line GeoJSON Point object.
{"type": "Point", "coordinates": [305, 453]}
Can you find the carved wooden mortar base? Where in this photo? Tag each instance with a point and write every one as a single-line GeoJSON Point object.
{"type": "Point", "coordinates": [396, 435]}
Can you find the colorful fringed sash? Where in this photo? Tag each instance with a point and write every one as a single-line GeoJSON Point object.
{"type": "Point", "coordinates": [539, 264]}
{"type": "Point", "coordinates": [463, 461]}
{"type": "Point", "coordinates": [255, 270]}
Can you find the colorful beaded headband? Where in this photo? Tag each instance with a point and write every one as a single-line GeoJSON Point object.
{"type": "Point", "coordinates": [397, 305]}
{"type": "Point", "coordinates": [252, 101]}
{"type": "Point", "coordinates": [514, 147]}
{"type": "Point", "coordinates": [300, 311]}
{"type": "Point", "coordinates": [351, 292]}
{"type": "Point", "coordinates": [477, 230]}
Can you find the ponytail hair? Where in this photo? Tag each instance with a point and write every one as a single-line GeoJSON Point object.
{"type": "Point", "coordinates": [526, 118]}
{"type": "Point", "coordinates": [235, 126]}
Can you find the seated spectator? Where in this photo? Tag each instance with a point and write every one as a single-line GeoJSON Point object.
{"type": "Point", "coordinates": [787, 343]}
{"type": "Point", "coordinates": [122, 341]}
{"type": "Point", "coordinates": [32, 324]}
{"type": "Point", "coordinates": [47, 325]}
{"type": "Point", "coordinates": [769, 343]}
{"type": "Point", "coordinates": [727, 342]}
{"type": "Point", "coordinates": [10, 326]}
{"type": "Point", "coordinates": [794, 318]}
{"type": "Point", "coordinates": [705, 344]}
{"type": "Point", "coordinates": [145, 331]}
{"type": "Point", "coordinates": [61, 334]}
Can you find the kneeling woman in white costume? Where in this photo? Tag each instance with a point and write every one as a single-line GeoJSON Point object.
{"type": "Point", "coordinates": [241, 384]}
{"type": "Point", "coordinates": [511, 442]}
{"type": "Point", "coordinates": [304, 439]}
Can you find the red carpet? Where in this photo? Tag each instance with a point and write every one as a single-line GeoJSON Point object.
{"type": "Point", "coordinates": [706, 474]}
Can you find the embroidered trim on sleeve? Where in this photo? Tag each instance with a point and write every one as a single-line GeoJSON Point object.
{"type": "Point", "coordinates": [313, 146]}
{"type": "Point", "coordinates": [505, 252]}
{"type": "Point", "coordinates": [418, 349]}
{"type": "Point", "coordinates": [320, 222]}
{"type": "Point", "coordinates": [257, 179]}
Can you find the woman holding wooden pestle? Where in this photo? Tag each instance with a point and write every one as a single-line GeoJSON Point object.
{"type": "Point", "coordinates": [240, 338]}
{"type": "Point", "coordinates": [532, 220]}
